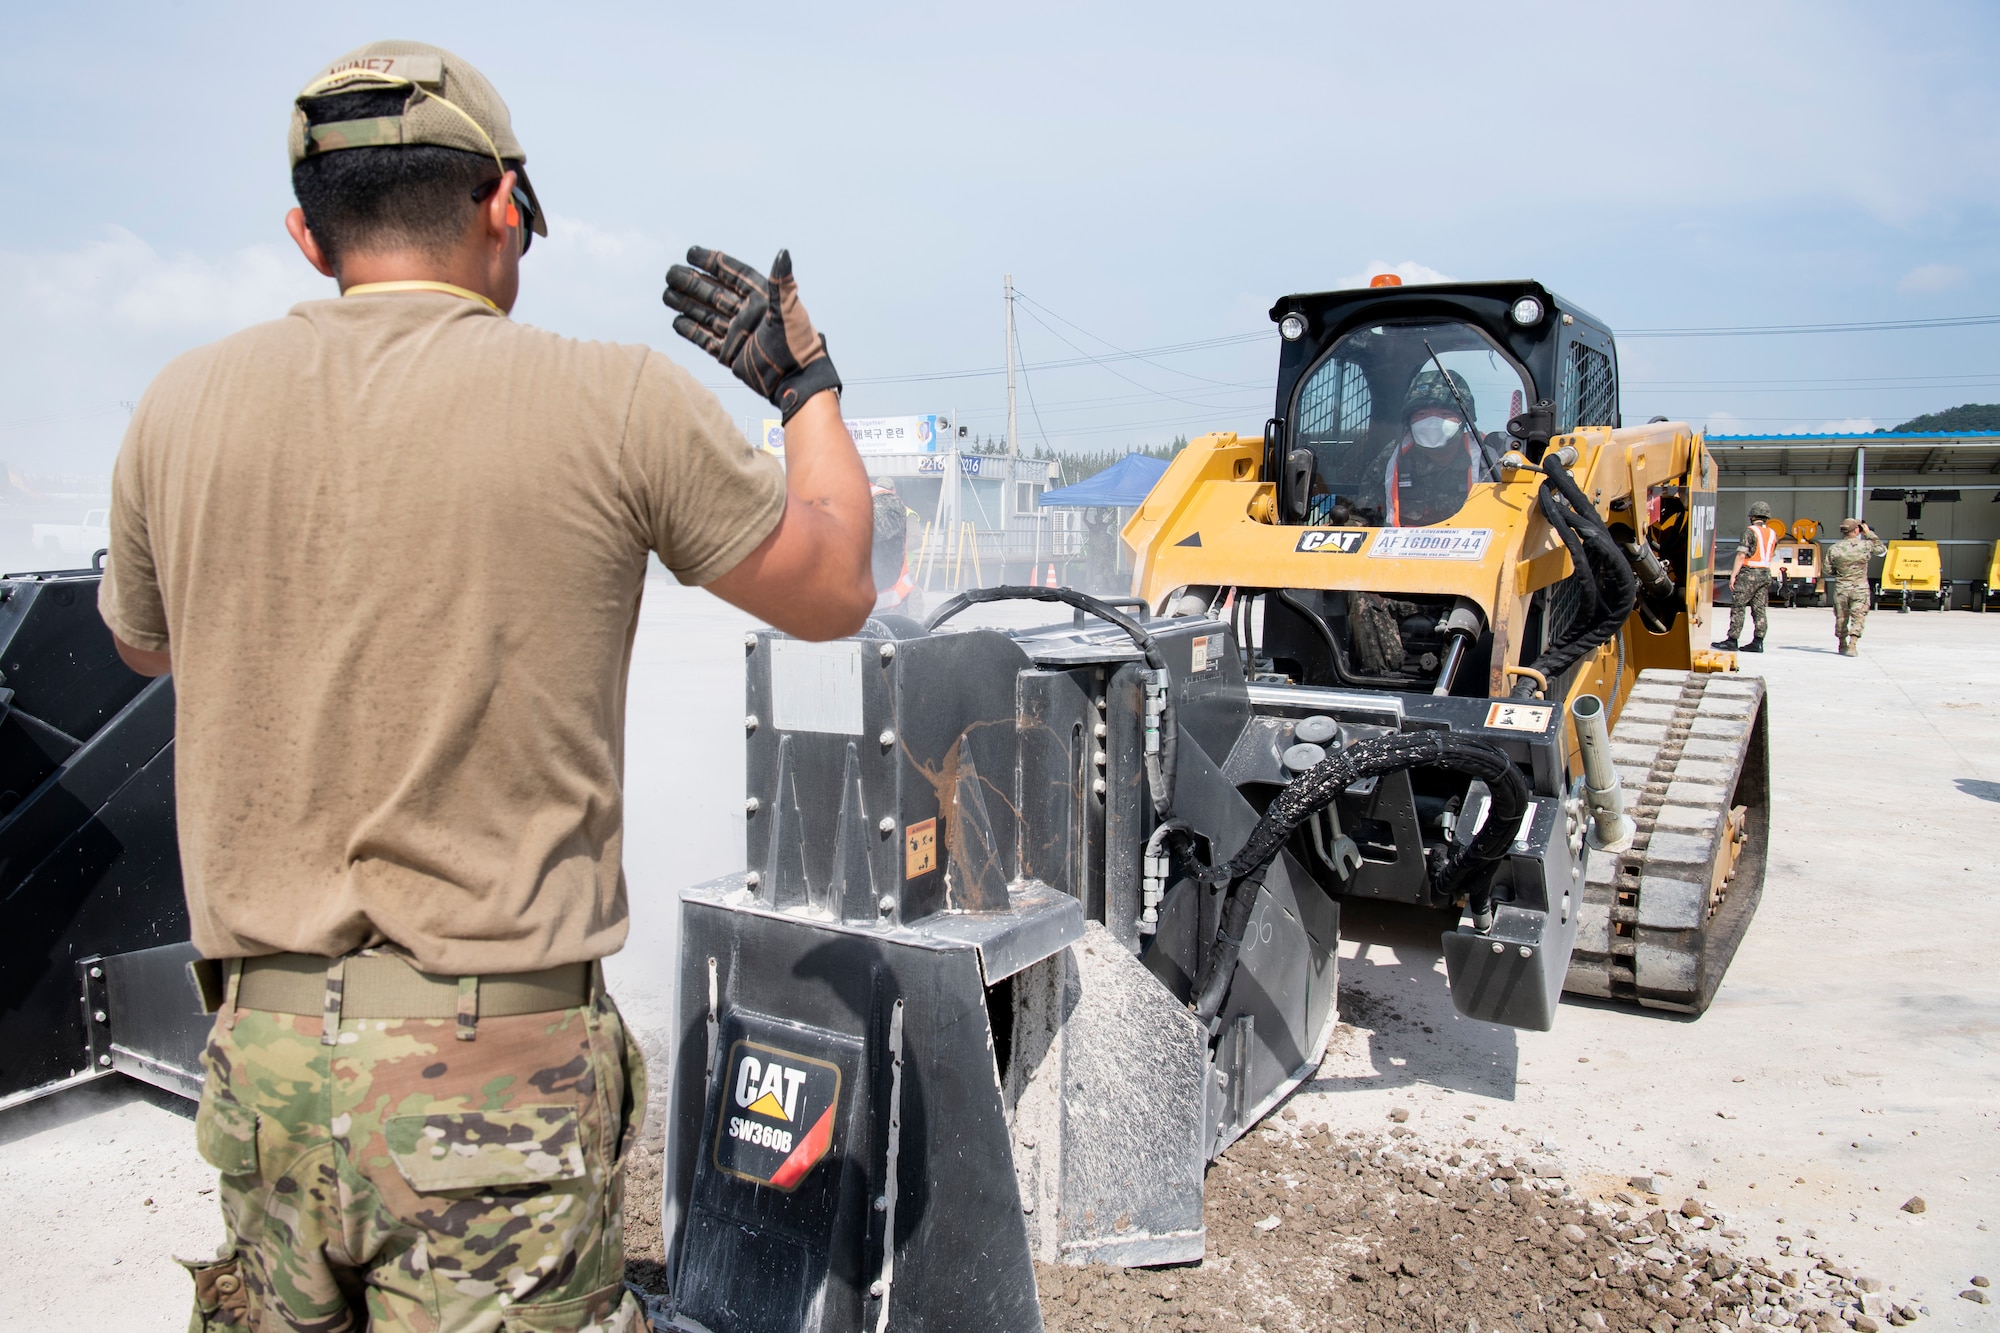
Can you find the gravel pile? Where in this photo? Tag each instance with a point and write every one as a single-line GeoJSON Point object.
{"type": "Point", "coordinates": [1310, 1229]}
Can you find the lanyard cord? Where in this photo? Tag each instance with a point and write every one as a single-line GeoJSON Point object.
{"type": "Point", "coordinates": [421, 285]}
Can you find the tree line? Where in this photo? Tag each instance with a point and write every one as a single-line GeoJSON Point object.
{"type": "Point", "coordinates": [1077, 465]}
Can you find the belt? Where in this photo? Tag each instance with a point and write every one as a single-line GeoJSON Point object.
{"type": "Point", "coordinates": [385, 986]}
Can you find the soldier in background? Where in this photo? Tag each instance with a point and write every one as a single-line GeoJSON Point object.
{"type": "Point", "coordinates": [1750, 581]}
{"type": "Point", "coordinates": [1100, 550]}
{"type": "Point", "coordinates": [1847, 565]}
{"type": "Point", "coordinates": [889, 558]}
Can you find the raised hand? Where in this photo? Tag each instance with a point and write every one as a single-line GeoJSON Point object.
{"type": "Point", "coordinates": [752, 324]}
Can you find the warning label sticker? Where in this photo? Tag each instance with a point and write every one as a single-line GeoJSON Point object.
{"type": "Point", "coordinates": [1207, 653]}
{"type": "Point", "coordinates": [1519, 717]}
{"type": "Point", "coordinates": [1337, 542]}
{"type": "Point", "coordinates": [777, 1114]}
{"type": "Point", "coordinates": [920, 849]}
{"type": "Point", "coordinates": [1431, 544]}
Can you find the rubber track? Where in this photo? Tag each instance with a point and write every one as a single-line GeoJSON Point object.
{"type": "Point", "coordinates": [1688, 746]}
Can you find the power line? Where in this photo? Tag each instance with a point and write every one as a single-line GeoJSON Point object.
{"type": "Point", "coordinates": [1170, 349]}
{"type": "Point", "coordinates": [992, 418]}
{"type": "Point", "coordinates": [1099, 362]}
{"type": "Point", "coordinates": [1865, 326]}
{"type": "Point", "coordinates": [1020, 295]}
{"type": "Point", "coordinates": [1828, 391]}
{"type": "Point", "coordinates": [1237, 339]}
{"type": "Point", "coordinates": [1921, 381]}
{"type": "Point", "coordinates": [1030, 386]}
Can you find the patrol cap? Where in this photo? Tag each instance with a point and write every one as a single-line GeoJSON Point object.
{"type": "Point", "coordinates": [1429, 390]}
{"type": "Point", "coordinates": [450, 105]}
{"type": "Point", "coordinates": [1760, 510]}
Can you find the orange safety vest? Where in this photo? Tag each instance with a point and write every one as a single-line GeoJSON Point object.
{"type": "Point", "coordinates": [1392, 476]}
{"type": "Point", "coordinates": [1767, 546]}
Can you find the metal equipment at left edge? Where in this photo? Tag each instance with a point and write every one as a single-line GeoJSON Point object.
{"type": "Point", "coordinates": [94, 950]}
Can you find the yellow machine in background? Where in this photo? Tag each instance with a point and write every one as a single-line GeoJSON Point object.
{"type": "Point", "coordinates": [1913, 570]}
{"type": "Point", "coordinates": [1796, 564]}
{"type": "Point", "coordinates": [1382, 538]}
{"type": "Point", "coordinates": [1912, 577]}
{"type": "Point", "coordinates": [1986, 591]}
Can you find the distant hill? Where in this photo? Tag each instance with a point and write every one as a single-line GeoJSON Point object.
{"type": "Point", "coordinates": [1969, 416]}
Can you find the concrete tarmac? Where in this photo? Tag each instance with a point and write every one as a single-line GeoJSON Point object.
{"type": "Point", "coordinates": [1850, 1062]}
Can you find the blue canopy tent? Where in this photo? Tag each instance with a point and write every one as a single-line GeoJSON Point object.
{"type": "Point", "coordinates": [1123, 485]}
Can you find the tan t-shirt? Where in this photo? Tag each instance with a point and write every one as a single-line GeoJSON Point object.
{"type": "Point", "coordinates": [396, 545]}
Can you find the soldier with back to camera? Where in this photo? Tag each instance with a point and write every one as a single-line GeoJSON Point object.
{"type": "Point", "coordinates": [1847, 565]}
{"type": "Point", "coordinates": [392, 547]}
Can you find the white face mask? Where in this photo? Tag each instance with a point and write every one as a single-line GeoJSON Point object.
{"type": "Point", "coordinates": [1434, 432]}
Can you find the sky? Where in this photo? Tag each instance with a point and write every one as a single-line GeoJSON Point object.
{"type": "Point", "coordinates": [1151, 176]}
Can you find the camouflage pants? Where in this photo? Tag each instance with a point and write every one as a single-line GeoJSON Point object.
{"type": "Point", "coordinates": [1751, 593]}
{"type": "Point", "coordinates": [402, 1181]}
{"type": "Point", "coordinates": [1850, 610]}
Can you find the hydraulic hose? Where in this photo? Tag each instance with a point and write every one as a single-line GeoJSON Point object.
{"type": "Point", "coordinates": [1316, 788]}
{"type": "Point", "coordinates": [1657, 589]}
{"type": "Point", "coordinates": [1160, 764]}
{"type": "Point", "coordinates": [1612, 587]}
{"type": "Point", "coordinates": [1557, 515]}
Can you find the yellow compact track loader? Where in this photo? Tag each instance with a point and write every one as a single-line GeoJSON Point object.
{"type": "Point", "coordinates": [1563, 560]}
{"type": "Point", "coordinates": [1034, 923]}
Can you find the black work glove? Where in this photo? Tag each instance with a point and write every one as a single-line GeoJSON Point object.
{"type": "Point", "coordinates": [752, 324]}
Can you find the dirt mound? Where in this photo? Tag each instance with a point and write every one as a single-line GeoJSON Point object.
{"type": "Point", "coordinates": [1310, 1231]}
{"type": "Point", "coordinates": [1313, 1230]}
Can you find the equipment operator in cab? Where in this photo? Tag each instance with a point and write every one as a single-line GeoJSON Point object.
{"type": "Point", "coordinates": [1434, 466]}
{"type": "Point", "coordinates": [392, 548]}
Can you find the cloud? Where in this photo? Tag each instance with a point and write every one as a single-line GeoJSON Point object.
{"type": "Point", "coordinates": [1722, 423]}
{"type": "Point", "coordinates": [1409, 270]}
{"type": "Point", "coordinates": [90, 324]}
{"type": "Point", "coordinates": [591, 281]}
{"type": "Point", "coordinates": [1931, 278]}
{"type": "Point", "coordinates": [122, 279]}
{"type": "Point", "coordinates": [1726, 423]}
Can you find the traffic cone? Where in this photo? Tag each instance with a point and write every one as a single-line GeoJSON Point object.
{"type": "Point", "coordinates": [1031, 575]}
{"type": "Point", "coordinates": [1052, 573]}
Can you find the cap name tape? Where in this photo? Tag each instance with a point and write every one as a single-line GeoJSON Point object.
{"type": "Point", "coordinates": [415, 68]}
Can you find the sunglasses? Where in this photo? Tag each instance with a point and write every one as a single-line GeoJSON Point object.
{"type": "Point", "coordinates": [522, 207]}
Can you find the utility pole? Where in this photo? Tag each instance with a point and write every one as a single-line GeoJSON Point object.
{"type": "Point", "coordinates": [1013, 437]}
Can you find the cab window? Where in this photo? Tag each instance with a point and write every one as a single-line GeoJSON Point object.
{"type": "Point", "coordinates": [1401, 420]}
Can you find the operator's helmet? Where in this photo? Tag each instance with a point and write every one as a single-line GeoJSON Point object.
{"type": "Point", "coordinates": [1760, 510]}
{"type": "Point", "coordinates": [1429, 390]}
